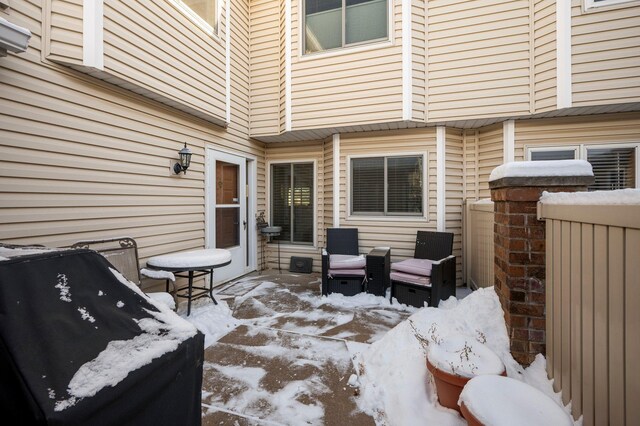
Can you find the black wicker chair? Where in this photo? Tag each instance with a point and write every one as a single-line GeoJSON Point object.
{"type": "Point", "coordinates": [342, 241]}
{"type": "Point", "coordinates": [415, 288]}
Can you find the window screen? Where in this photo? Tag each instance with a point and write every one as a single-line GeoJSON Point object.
{"type": "Point", "coordinates": [613, 168]}
{"type": "Point", "coordinates": [387, 185]}
{"type": "Point", "coordinates": [205, 9]}
{"type": "Point", "coordinates": [292, 201]}
{"type": "Point", "coordinates": [555, 154]}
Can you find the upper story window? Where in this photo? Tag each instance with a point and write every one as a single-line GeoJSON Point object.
{"type": "Point", "coordinates": [590, 4]}
{"type": "Point", "coordinates": [614, 166]}
{"type": "Point", "coordinates": [332, 24]}
{"type": "Point", "coordinates": [203, 12]}
{"type": "Point", "coordinates": [387, 186]}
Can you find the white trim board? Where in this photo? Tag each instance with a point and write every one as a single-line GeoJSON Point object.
{"type": "Point", "coordinates": [563, 54]}
{"type": "Point", "coordinates": [441, 132]}
{"type": "Point", "coordinates": [509, 141]}
{"type": "Point", "coordinates": [228, 61]}
{"type": "Point", "coordinates": [407, 72]}
{"type": "Point", "coordinates": [92, 34]}
{"type": "Point", "coordinates": [287, 67]}
{"type": "Point", "coordinates": [336, 180]}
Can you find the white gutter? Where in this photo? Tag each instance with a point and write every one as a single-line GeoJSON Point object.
{"type": "Point", "coordinates": [13, 38]}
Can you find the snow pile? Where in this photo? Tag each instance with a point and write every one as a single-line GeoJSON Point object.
{"type": "Point", "coordinates": [191, 259]}
{"type": "Point", "coordinates": [214, 321]}
{"type": "Point", "coordinates": [7, 253]}
{"type": "Point", "coordinates": [542, 168]}
{"type": "Point", "coordinates": [617, 197]}
{"type": "Point", "coordinates": [464, 357]}
{"type": "Point", "coordinates": [155, 274]}
{"type": "Point", "coordinates": [161, 333]}
{"type": "Point", "coordinates": [395, 385]}
{"type": "Point", "coordinates": [501, 401]}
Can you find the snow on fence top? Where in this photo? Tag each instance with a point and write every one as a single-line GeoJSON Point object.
{"type": "Point", "coordinates": [617, 197]}
{"type": "Point", "coordinates": [542, 168]}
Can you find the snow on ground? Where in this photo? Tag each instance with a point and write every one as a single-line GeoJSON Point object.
{"type": "Point", "coordinates": [617, 197]}
{"type": "Point", "coordinates": [214, 321]}
{"type": "Point", "coordinates": [395, 385]}
{"type": "Point", "coordinates": [542, 168]}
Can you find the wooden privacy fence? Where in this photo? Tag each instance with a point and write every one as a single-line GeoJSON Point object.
{"type": "Point", "coordinates": [479, 244]}
{"type": "Point", "coordinates": [593, 309]}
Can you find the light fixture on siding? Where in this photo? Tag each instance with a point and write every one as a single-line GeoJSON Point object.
{"type": "Point", "coordinates": [185, 160]}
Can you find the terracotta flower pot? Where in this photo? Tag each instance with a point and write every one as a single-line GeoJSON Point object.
{"type": "Point", "coordinates": [470, 418]}
{"type": "Point", "coordinates": [448, 386]}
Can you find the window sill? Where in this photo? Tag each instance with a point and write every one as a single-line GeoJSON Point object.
{"type": "Point", "coordinates": [388, 218]}
{"type": "Point", "coordinates": [345, 50]}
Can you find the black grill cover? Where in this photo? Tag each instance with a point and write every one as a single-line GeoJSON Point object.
{"type": "Point", "coordinates": [44, 340]}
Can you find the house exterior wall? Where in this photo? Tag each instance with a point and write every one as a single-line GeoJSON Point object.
{"type": "Point", "coordinates": [574, 131]}
{"type": "Point", "coordinates": [84, 159]}
{"type": "Point", "coordinates": [605, 54]}
{"type": "Point", "coordinates": [490, 154]}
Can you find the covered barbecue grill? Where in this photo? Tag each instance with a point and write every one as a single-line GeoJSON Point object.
{"type": "Point", "coordinates": [79, 344]}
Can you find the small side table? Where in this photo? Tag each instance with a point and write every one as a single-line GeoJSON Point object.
{"type": "Point", "coordinates": [378, 270]}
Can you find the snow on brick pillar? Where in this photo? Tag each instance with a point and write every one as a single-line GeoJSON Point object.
{"type": "Point", "coordinates": [519, 241]}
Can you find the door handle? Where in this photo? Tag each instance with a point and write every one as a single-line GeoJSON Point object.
{"type": "Point", "coordinates": [244, 223]}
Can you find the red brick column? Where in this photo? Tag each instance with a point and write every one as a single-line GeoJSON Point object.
{"type": "Point", "coordinates": [520, 257]}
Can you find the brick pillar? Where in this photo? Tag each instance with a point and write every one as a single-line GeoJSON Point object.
{"type": "Point", "coordinates": [520, 256]}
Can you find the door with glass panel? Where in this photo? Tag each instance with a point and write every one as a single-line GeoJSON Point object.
{"type": "Point", "coordinates": [228, 211]}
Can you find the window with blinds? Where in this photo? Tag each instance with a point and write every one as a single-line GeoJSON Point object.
{"type": "Point", "coordinates": [292, 201]}
{"type": "Point", "coordinates": [387, 186]}
{"type": "Point", "coordinates": [613, 167]}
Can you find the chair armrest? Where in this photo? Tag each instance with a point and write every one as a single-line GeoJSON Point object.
{"type": "Point", "coordinates": [443, 280]}
{"type": "Point", "coordinates": [325, 272]}
{"type": "Point", "coordinates": [158, 274]}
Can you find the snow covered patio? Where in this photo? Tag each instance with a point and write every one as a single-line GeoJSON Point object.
{"type": "Point", "coordinates": [286, 355]}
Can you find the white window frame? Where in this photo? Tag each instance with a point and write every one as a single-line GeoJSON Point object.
{"type": "Point", "coordinates": [592, 4]}
{"type": "Point", "coordinates": [581, 151]}
{"type": "Point", "coordinates": [395, 216]}
{"type": "Point", "coordinates": [345, 48]}
{"type": "Point", "coordinates": [299, 246]}
{"type": "Point", "coordinates": [196, 19]}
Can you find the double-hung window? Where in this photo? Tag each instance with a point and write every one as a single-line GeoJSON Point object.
{"type": "Point", "coordinates": [331, 24]}
{"type": "Point", "coordinates": [614, 166]}
{"type": "Point", "coordinates": [203, 12]}
{"type": "Point", "coordinates": [292, 201]}
{"type": "Point", "coordinates": [387, 186]}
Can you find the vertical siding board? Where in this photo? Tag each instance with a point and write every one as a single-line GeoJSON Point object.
{"type": "Point", "coordinates": [616, 325]}
{"type": "Point", "coordinates": [576, 323]}
{"type": "Point", "coordinates": [565, 320]}
{"type": "Point", "coordinates": [600, 329]}
{"type": "Point", "coordinates": [557, 307]}
{"type": "Point", "coordinates": [588, 368]}
{"type": "Point", "coordinates": [632, 329]}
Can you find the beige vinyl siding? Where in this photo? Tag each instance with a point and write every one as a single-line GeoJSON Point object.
{"type": "Point", "coordinates": [471, 164]}
{"type": "Point", "coordinates": [347, 87]}
{"type": "Point", "coordinates": [282, 98]}
{"type": "Point", "coordinates": [610, 128]}
{"type": "Point", "coordinates": [490, 155]}
{"type": "Point", "coordinates": [478, 59]}
{"type": "Point", "coordinates": [88, 160]}
{"type": "Point", "coordinates": [605, 54]}
{"type": "Point", "coordinates": [141, 49]}
{"type": "Point", "coordinates": [265, 64]}
{"type": "Point", "coordinates": [295, 152]}
{"type": "Point", "coordinates": [544, 45]}
{"type": "Point", "coordinates": [418, 60]}
{"type": "Point", "coordinates": [399, 233]}
{"type": "Point", "coordinates": [63, 30]}
{"type": "Point", "coordinates": [327, 147]}
{"type": "Point", "coordinates": [454, 192]}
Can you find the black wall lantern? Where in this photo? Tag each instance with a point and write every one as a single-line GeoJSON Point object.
{"type": "Point", "coordinates": [185, 160]}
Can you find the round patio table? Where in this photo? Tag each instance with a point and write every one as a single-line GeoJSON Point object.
{"type": "Point", "coordinates": [195, 264]}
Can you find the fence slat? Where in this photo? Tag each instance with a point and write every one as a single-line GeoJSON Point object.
{"type": "Point", "coordinates": [549, 285]}
{"type": "Point", "coordinates": [616, 326]}
{"type": "Point", "coordinates": [576, 319]}
{"type": "Point", "coordinates": [632, 328]}
{"type": "Point", "coordinates": [600, 329]}
{"type": "Point", "coordinates": [557, 307]}
{"type": "Point", "coordinates": [565, 320]}
{"type": "Point", "coordinates": [588, 370]}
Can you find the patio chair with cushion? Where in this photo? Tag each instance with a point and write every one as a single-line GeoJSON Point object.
{"type": "Point", "coordinates": [343, 267]}
{"type": "Point", "coordinates": [122, 253]}
{"type": "Point", "coordinates": [430, 276]}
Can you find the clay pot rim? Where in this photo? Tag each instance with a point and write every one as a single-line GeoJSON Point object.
{"type": "Point", "coordinates": [454, 378]}
{"type": "Point", "coordinates": [468, 415]}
